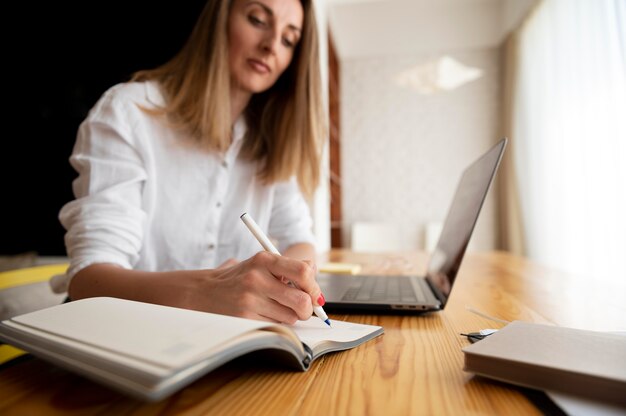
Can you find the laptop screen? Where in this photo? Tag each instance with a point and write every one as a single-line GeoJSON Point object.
{"type": "Point", "coordinates": [459, 224]}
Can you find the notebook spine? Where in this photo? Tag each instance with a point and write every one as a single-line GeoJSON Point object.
{"type": "Point", "coordinates": [308, 358]}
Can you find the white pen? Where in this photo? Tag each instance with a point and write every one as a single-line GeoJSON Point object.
{"type": "Point", "coordinates": [268, 246]}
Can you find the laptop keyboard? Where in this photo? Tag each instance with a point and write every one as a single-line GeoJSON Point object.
{"type": "Point", "coordinates": [388, 290]}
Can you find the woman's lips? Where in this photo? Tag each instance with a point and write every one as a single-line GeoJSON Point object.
{"type": "Point", "coordinates": [259, 66]}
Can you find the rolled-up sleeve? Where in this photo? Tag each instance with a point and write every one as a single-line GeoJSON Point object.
{"type": "Point", "coordinates": [290, 221]}
{"type": "Point", "coordinates": [105, 222]}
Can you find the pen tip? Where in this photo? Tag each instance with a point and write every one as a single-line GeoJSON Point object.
{"type": "Point", "coordinates": [327, 322]}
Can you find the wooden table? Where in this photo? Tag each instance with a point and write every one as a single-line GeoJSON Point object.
{"type": "Point", "coordinates": [414, 368]}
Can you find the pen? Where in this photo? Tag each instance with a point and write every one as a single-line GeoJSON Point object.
{"type": "Point", "coordinates": [268, 246]}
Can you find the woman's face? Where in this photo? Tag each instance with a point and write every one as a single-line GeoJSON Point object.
{"type": "Point", "coordinates": [262, 37]}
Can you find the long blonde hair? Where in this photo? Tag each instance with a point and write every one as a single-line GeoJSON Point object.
{"type": "Point", "coordinates": [286, 124]}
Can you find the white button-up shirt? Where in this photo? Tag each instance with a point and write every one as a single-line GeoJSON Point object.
{"type": "Point", "coordinates": [149, 198]}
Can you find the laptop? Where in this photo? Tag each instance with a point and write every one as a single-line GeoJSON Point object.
{"type": "Point", "coordinates": [419, 294]}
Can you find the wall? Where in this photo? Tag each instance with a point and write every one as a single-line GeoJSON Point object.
{"type": "Point", "coordinates": [73, 52]}
{"type": "Point", "coordinates": [403, 153]}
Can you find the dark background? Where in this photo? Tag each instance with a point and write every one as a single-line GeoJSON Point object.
{"type": "Point", "coordinates": [58, 60]}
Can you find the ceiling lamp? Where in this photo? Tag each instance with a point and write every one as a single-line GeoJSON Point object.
{"type": "Point", "coordinates": [442, 74]}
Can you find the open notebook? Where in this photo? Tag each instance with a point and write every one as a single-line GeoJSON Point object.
{"type": "Point", "coordinates": [150, 351]}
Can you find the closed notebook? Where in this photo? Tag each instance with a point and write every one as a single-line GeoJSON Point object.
{"type": "Point", "coordinates": [583, 363]}
{"type": "Point", "coordinates": [150, 351]}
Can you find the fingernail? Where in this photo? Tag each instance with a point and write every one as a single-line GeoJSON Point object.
{"type": "Point", "coordinates": [320, 300]}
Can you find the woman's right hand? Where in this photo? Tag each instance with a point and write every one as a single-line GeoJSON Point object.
{"type": "Point", "coordinates": [255, 289]}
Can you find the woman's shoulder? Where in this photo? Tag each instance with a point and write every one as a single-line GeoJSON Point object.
{"type": "Point", "coordinates": [127, 99]}
{"type": "Point", "coordinates": [144, 93]}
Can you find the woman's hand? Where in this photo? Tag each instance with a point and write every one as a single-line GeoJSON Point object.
{"type": "Point", "coordinates": [256, 289]}
{"type": "Point", "coordinates": [228, 263]}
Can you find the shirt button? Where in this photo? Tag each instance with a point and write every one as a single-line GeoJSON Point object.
{"type": "Point", "coordinates": [211, 246]}
{"type": "Point", "coordinates": [219, 204]}
{"type": "Point", "coordinates": [224, 164]}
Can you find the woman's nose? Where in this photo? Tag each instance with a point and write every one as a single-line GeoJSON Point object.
{"type": "Point", "coordinates": [269, 42]}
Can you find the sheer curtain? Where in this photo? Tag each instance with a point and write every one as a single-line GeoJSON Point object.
{"type": "Point", "coordinates": [568, 130]}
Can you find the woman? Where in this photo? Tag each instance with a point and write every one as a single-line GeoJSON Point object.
{"type": "Point", "coordinates": [169, 161]}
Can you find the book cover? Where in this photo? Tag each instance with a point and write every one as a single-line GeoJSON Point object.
{"type": "Point", "coordinates": [150, 351]}
{"type": "Point", "coordinates": [573, 361]}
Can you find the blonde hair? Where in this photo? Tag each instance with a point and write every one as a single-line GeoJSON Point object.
{"type": "Point", "coordinates": [286, 124]}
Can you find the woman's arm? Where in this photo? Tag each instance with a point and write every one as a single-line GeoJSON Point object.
{"type": "Point", "coordinates": [249, 289]}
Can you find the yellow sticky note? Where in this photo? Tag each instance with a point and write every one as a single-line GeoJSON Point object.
{"type": "Point", "coordinates": [341, 268]}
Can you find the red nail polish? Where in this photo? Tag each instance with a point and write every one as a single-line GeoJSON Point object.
{"type": "Point", "coordinates": [320, 300]}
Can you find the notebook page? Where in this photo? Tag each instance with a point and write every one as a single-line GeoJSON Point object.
{"type": "Point", "coordinates": [342, 335]}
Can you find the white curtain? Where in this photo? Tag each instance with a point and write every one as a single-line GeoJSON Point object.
{"type": "Point", "coordinates": [569, 136]}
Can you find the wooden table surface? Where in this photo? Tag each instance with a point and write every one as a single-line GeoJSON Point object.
{"type": "Point", "coordinates": [414, 368]}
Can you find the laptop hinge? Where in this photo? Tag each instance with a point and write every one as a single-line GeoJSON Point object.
{"type": "Point", "coordinates": [435, 290]}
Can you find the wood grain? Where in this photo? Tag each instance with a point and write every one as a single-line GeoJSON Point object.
{"type": "Point", "coordinates": [414, 368]}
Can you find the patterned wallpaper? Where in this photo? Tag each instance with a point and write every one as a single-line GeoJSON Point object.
{"type": "Point", "coordinates": [403, 152]}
